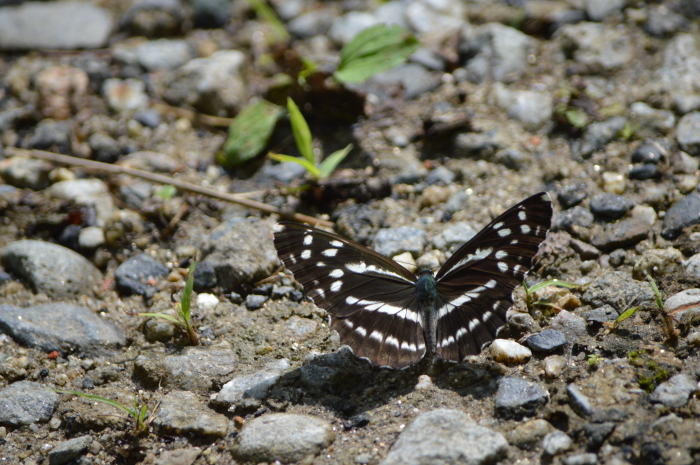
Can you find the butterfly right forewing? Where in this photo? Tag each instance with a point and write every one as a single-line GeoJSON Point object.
{"type": "Point", "coordinates": [476, 282]}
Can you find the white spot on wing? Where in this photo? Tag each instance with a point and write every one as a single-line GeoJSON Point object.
{"type": "Point", "coordinates": [522, 216]}
{"type": "Point", "coordinates": [306, 254]}
{"type": "Point", "coordinates": [525, 229]}
{"type": "Point", "coordinates": [501, 254]}
{"type": "Point", "coordinates": [278, 228]}
{"type": "Point", "coordinates": [337, 273]}
{"type": "Point", "coordinates": [308, 239]}
{"type": "Point", "coordinates": [498, 225]}
{"type": "Point", "coordinates": [392, 341]}
{"type": "Point", "coordinates": [480, 254]}
{"type": "Point", "coordinates": [329, 252]}
{"type": "Point", "coordinates": [350, 300]}
{"type": "Point", "coordinates": [320, 264]}
{"type": "Point", "coordinates": [335, 287]}
{"type": "Point", "coordinates": [376, 335]}
{"type": "Point", "coordinates": [504, 232]}
{"type": "Point", "coordinates": [336, 244]}
{"type": "Point", "coordinates": [363, 268]}
{"type": "Point", "coordinates": [473, 324]}
{"type": "Point", "coordinates": [361, 331]}
{"type": "Point", "coordinates": [502, 267]}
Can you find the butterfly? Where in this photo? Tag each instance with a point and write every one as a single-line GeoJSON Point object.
{"type": "Point", "coordinates": [393, 317]}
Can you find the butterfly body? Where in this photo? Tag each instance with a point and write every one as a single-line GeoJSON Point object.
{"type": "Point", "coordinates": [393, 317]}
{"type": "Point", "coordinates": [427, 298]}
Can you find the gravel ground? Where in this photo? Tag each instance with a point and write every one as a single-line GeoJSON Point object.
{"type": "Point", "coordinates": [595, 101]}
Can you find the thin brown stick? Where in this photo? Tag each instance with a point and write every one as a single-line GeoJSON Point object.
{"type": "Point", "coordinates": [175, 220]}
{"type": "Point", "coordinates": [161, 179]}
{"type": "Point", "coordinates": [193, 116]}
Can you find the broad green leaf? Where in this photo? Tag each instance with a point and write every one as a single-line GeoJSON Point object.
{"type": "Point", "coordinates": [164, 316]}
{"type": "Point", "coordinates": [375, 49]}
{"type": "Point", "coordinates": [331, 162]}
{"type": "Point", "coordinates": [576, 118]}
{"type": "Point", "coordinates": [268, 15]}
{"type": "Point", "coordinates": [310, 167]}
{"type": "Point", "coordinates": [249, 132]}
{"type": "Point", "coordinates": [626, 314]}
{"type": "Point", "coordinates": [187, 294]}
{"type": "Point", "coordinates": [302, 134]}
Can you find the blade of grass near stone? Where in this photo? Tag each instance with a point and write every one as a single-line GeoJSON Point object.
{"type": "Point", "coordinates": [301, 131]}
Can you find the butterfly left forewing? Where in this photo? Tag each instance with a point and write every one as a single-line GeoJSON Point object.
{"type": "Point", "coordinates": [476, 283]}
{"type": "Point", "coordinates": [370, 298]}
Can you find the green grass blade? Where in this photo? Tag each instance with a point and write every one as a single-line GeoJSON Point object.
{"type": "Point", "coordinates": [626, 314]}
{"type": "Point", "coordinates": [657, 293]}
{"type": "Point", "coordinates": [302, 134]}
{"type": "Point", "coordinates": [332, 161]}
{"type": "Point", "coordinates": [104, 400]}
{"type": "Point", "coordinates": [375, 49]}
{"type": "Point", "coordinates": [187, 294]}
{"type": "Point", "coordinates": [309, 166]}
{"type": "Point", "coordinates": [249, 132]}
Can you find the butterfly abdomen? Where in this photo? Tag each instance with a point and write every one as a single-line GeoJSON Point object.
{"type": "Point", "coordinates": [427, 299]}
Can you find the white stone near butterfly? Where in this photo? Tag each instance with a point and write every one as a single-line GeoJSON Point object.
{"type": "Point", "coordinates": [509, 352]}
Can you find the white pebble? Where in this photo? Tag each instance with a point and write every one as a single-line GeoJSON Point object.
{"type": "Point", "coordinates": [509, 352]}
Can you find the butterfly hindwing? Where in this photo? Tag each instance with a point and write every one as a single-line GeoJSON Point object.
{"type": "Point", "coordinates": [371, 299]}
{"type": "Point", "coordinates": [477, 281]}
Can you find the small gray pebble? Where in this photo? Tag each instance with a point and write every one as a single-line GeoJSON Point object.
{"type": "Point", "coordinates": [255, 301]}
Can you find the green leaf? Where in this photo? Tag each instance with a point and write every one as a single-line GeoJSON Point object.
{"type": "Point", "coordinates": [166, 192]}
{"type": "Point", "coordinates": [576, 118]}
{"type": "Point", "coordinates": [187, 294]}
{"type": "Point", "coordinates": [163, 316]}
{"type": "Point", "coordinates": [302, 134]}
{"type": "Point", "coordinates": [309, 166]}
{"type": "Point", "coordinates": [331, 162]}
{"type": "Point", "coordinates": [249, 132]}
{"type": "Point", "coordinates": [626, 314]}
{"type": "Point", "coordinates": [373, 50]}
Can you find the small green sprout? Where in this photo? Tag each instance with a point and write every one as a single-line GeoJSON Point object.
{"type": "Point", "coordinates": [576, 118]}
{"type": "Point", "coordinates": [593, 360]}
{"type": "Point", "coordinates": [622, 317]}
{"type": "Point", "coordinates": [166, 192]}
{"type": "Point", "coordinates": [669, 328]}
{"type": "Point", "coordinates": [138, 413]}
{"type": "Point", "coordinates": [302, 137]}
{"type": "Point", "coordinates": [184, 316]}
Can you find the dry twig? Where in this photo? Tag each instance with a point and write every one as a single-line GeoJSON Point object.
{"type": "Point", "coordinates": [161, 179]}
